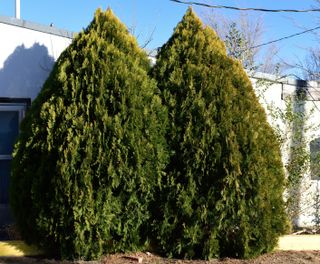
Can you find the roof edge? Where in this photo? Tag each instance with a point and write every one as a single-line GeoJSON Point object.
{"type": "Point", "coordinates": [36, 27]}
{"type": "Point", "coordinates": [285, 79]}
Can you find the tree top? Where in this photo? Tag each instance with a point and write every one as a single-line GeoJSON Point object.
{"type": "Point", "coordinates": [200, 38]}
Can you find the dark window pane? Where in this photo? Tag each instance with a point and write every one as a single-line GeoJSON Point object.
{"type": "Point", "coordinates": [4, 181]}
{"type": "Point", "coordinates": [9, 129]}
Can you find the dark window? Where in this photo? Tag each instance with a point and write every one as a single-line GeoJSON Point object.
{"type": "Point", "coordinates": [12, 112]}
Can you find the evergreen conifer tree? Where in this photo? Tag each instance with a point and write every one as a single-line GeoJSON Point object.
{"type": "Point", "coordinates": [91, 148]}
{"type": "Point", "coordinates": [225, 179]}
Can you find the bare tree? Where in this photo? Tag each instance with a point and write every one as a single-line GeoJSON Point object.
{"type": "Point", "coordinates": [311, 66]}
{"type": "Point", "coordinates": [144, 38]}
{"type": "Point", "coordinates": [241, 36]}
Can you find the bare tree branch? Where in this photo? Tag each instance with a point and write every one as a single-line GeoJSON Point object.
{"type": "Point", "coordinates": [147, 40]}
{"type": "Point", "coordinates": [240, 35]}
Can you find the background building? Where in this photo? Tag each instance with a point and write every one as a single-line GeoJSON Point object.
{"type": "Point", "coordinates": [27, 54]}
{"type": "Point", "coordinates": [293, 108]}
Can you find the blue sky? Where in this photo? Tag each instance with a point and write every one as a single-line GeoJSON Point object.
{"type": "Point", "coordinates": [161, 16]}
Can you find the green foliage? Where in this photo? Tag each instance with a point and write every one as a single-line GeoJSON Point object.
{"type": "Point", "coordinates": [91, 148]}
{"type": "Point", "coordinates": [223, 192]}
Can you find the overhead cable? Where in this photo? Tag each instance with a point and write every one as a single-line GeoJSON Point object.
{"type": "Point", "coordinates": [283, 38]}
{"type": "Point", "coordinates": [247, 8]}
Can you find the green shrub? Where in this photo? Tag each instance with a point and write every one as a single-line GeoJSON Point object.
{"type": "Point", "coordinates": [225, 180]}
{"type": "Point", "coordinates": [91, 148]}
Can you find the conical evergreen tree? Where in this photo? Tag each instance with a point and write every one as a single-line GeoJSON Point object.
{"type": "Point", "coordinates": [224, 185]}
{"type": "Point", "coordinates": [91, 148]}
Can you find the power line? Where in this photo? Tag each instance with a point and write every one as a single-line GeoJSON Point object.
{"type": "Point", "coordinates": [283, 38]}
{"type": "Point", "coordinates": [247, 8]}
{"type": "Point", "coordinates": [277, 40]}
{"type": "Point", "coordinates": [258, 9]}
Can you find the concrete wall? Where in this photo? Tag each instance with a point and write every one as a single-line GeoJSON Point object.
{"type": "Point", "coordinates": [27, 54]}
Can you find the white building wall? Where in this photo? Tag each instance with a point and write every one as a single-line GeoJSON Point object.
{"type": "Point", "coordinates": [272, 93]}
{"type": "Point", "coordinates": [27, 54]}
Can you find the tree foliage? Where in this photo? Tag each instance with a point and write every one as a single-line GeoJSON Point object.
{"type": "Point", "coordinates": [225, 179]}
{"type": "Point", "coordinates": [91, 148]}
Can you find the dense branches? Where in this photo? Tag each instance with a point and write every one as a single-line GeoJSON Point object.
{"type": "Point", "coordinates": [91, 148]}
{"type": "Point", "coordinates": [225, 178]}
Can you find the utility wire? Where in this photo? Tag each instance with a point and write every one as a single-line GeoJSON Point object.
{"type": "Point", "coordinates": [283, 38]}
{"type": "Point", "coordinates": [247, 8]}
{"type": "Point", "coordinates": [258, 9]}
{"type": "Point", "coordinates": [275, 40]}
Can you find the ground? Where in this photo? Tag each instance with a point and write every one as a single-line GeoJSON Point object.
{"type": "Point", "coordinates": [280, 257]}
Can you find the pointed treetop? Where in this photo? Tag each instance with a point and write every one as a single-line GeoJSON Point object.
{"type": "Point", "coordinates": [195, 36]}
{"type": "Point", "coordinates": [225, 175]}
{"type": "Point", "coordinates": [107, 26]}
{"type": "Point", "coordinates": [95, 134]}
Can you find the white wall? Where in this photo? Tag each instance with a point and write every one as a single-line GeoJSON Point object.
{"type": "Point", "coordinates": [272, 95]}
{"type": "Point", "coordinates": [26, 59]}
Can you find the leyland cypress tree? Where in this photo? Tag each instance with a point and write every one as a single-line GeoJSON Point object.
{"type": "Point", "coordinates": [225, 179]}
{"type": "Point", "coordinates": [91, 148]}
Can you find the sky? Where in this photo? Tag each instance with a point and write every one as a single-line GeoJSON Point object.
{"type": "Point", "coordinates": [157, 18]}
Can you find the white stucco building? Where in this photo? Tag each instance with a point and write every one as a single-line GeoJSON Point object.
{"type": "Point", "coordinates": [27, 54]}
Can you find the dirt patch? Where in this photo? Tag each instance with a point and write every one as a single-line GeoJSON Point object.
{"type": "Point", "coordinates": [280, 257]}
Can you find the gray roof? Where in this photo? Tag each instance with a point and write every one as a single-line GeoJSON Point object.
{"type": "Point", "coordinates": [37, 27]}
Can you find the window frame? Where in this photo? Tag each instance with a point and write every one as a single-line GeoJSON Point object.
{"type": "Point", "coordinates": [20, 105]}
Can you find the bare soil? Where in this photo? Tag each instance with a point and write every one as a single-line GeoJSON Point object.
{"type": "Point", "coordinates": [280, 257]}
